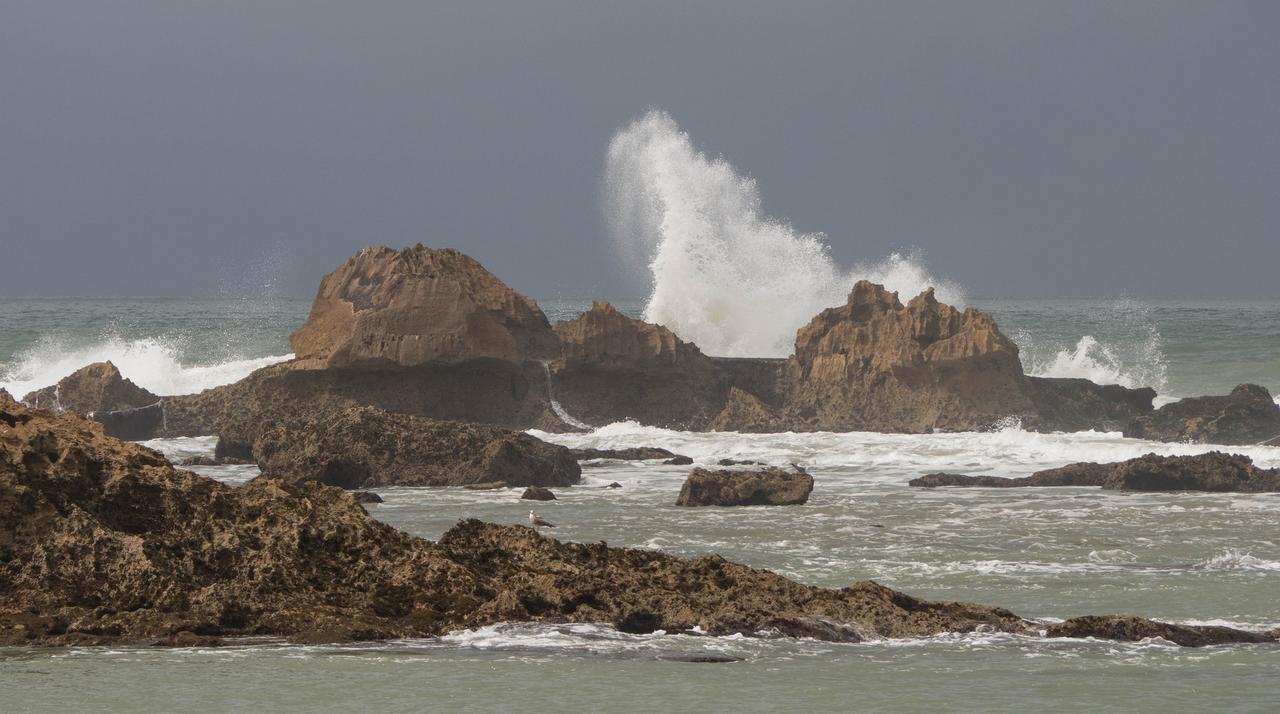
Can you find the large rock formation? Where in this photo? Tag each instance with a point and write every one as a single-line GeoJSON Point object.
{"type": "Point", "coordinates": [104, 542]}
{"type": "Point", "coordinates": [363, 447]}
{"type": "Point", "coordinates": [95, 387]}
{"type": "Point", "coordinates": [767, 487]}
{"type": "Point", "coordinates": [613, 367]}
{"type": "Point", "coordinates": [874, 364]}
{"type": "Point", "coordinates": [1248, 415]}
{"type": "Point", "coordinates": [419, 306]}
{"type": "Point", "coordinates": [1214, 471]}
{"type": "Point", "coordinates": [1065, 404]}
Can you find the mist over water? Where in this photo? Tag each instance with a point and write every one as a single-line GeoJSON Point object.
{"type": "Point", "coordinates": [725, 275]}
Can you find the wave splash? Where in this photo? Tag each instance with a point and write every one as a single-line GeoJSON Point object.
{"type": "Point", "coordinates": [152, 363]}
{"type": "Point", "coordinates": [725, 275]}
{"type": "Point", "coordinates": [1131, 356]}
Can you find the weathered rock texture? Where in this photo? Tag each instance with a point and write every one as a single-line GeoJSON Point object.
{"type": "Point", "coordinates": [1247, 415]}
{"type": "Point", "coordinates": [363, 447]}
{"type": "Point", "coordinates": [104, 542]}
{"type": "Point", "coordinates": [93, 388]}
{"type": "Point", "coordinates": [420, 306]}
{"type": "Point", "coordinates": [768, 487]}
{"type": "Point", "coordinates": [1126, 628]}
{"type": "Point", "coordinates": [1214, 471]}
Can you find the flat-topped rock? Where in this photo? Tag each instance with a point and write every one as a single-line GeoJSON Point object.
{"type": "Point", "coordinates": [1214, 471]}
{"type": "Point", "coordinates": [1248, 415]}
{"type": "Point", "coordinates": [635, 453]}
{"type": "Point", "coordinates": [767, 487]}
{"type": "Point", "coordinates": [419, 306]}
{"type": "Point", "coordinates": [363, 447]}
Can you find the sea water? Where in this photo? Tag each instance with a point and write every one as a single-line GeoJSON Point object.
{"type": "Point", "coordinates": [1044, 553]}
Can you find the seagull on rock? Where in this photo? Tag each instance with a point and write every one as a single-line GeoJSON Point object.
{"type": "Point", "coordinates": [538, 521]}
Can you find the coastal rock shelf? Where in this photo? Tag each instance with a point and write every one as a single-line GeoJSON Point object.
{"type": "Point", "coordinates": [1214, 471]}
{"type": "Point", "coordinates": [104, 542]}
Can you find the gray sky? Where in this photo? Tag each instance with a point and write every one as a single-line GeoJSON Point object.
{"type": "Point", "coordinates": [1030, 149]}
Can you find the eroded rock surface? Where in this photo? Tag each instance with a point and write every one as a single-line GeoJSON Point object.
{"type": "Point", "coordinates": [1214, 471]}
{"type": "Point", "coordinates": [103, 542]}
{"type": "Point", "coordinates": [1248, 415]}
{"type": "Point", "coordinates": [767, 487]}
{"type": "Point", "coordinates": [363, 447]}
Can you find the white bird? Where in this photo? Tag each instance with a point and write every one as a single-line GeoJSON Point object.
{"type": "Point", "coordinates": [538, 521]}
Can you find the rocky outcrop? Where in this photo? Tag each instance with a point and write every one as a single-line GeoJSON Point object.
{"type": "Point", "coordinates": [1214, 471]}
{"type": "Point", "coordinates": [636, 453]}
{"type": "Point", "coordinates": [363, 447]}
{"type": "Point", "coordinates": [1248, 415]}
{"type": "Point", "coordinates": [538, 493]}
{"type": "Point", "coordinates": [419, 306]}
{"type": "Point", "coordinates": [96, 387]}
{"type": "Point", "coordinates": [768, 487]}
{"type": "Point", "coordinates": [613, 367]}
{"type": "Point", "coordinates": [1080, 405]}
{"type": "Point", "coordinates": [874, 364]}
{"type": "Point", "coordinates": [103, 542]}
{"type": "Point", "coordinates": [1126, 628]}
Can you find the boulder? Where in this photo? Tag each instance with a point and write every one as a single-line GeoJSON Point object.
{"type": "Point", "coordinates": [104, 543]}
{"type": "Point", "coordinates": [366, 497]}
{"type": "Point", "coordinates": [93, 388]}
{"type": "Point", "coordinates": [1248, 415]}
{"type": "Point", "coordinates": [538, 493]}
{"type": "Point", "coordinates": [874, 364]}
{"type": "Point", "coordinates": [419, 306]}
{"type": "Point", "coordinates": [363, 447]}
{"type": "Point", "coordinates": [768, 487]}
{"type": "Point", "coordinates": [637, 453]}
{"type": "Point", "coordinates": [1214, 471]}
{"type": "Point", "coordinates": [745, 412]}
{"type": "Point", "coordinates": [678, 461]}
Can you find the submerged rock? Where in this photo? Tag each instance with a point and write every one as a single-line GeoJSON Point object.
{"type": "Point", "coordinates": [366, 497]}
{"type": "Point", "coordinates": [678, 461]}
{"type": "Point", "coordinates": [1126, 628]}
{"type": "Point", "coordinates": [103, 542]}
{"type": "Point", "coordinates": [538, 493]}
{"type": "Point", "coordinates": [1248, 415]}
{"type": "Point", "coordinates": [637, 453]}
{"type": "Point", "coordinates": [769, 487]}
{"type": "Point", "coordinates": [1214, 471]}
{"type": "Point", "coordinates": [362, 447]}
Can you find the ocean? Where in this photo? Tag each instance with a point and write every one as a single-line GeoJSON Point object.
{"type": "Point", "coordinates": [1048, 554]}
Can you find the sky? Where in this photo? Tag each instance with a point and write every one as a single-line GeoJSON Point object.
{"type": "Point", "coordinates": [1029, 149]}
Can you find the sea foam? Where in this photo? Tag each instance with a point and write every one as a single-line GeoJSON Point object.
{"type": "Point", "coordinates": [725, 275]}
{"type": "Point", "coordinates": [151, 363]}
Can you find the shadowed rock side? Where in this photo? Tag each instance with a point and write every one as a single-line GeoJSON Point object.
{"type": "Point", "coordinates": [363, 447]}
{"type": "Point", "coordinates": [103, 542]}
{"type": "Point", "coordinates": [613, 367]}
{"type": "Point", "coordinates": [873, 364]}
{"type": "Point", "coordinates": [1214, 471]}
{"type": "Point", "coordinates": [768, 487]}
{"type": "Point", "coordinates": [1247, 415]}
{"type": "Point", "coordinates": [1064, 404]}
{"type": "Point", "coordinates": [1126, 628]}
{"type": "Point", "coordinates": [419, 306]}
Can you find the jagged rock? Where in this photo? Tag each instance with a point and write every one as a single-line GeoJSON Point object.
{"type": "Point", "coordinates": [419, 306]}
{"type": "Point", "coordinates": [637, 453]}
{"type": "Point", "coordinates": [362, 447]}
{"type": "Point", "coordinates": [613, 367]}
{"type": "Point", "coordinates": [538, 493]}
{"type": "Point", "coordinates": [745, 412]}
{"type": "Point", "coordinates": [95, 387]}
{"type": "Point", "coordinates": [769, 487]}
{"type": "Point", "coordinates": [366, 497]}
{"type": "Point", "coordinates": [1126, 628]}
{"type": "Point", "coordinates": [873, 364]}
{"type": "Point", "coordinates": [678, 461]}
{"type": "Point", "coordinates": [1247, 415]}
{"type": "Point", "coordinates": [103, 542]}
{"type": "Point", "coordinates": [1214, 471]}
{"type": "Point", "coordinates": [1080, 405]}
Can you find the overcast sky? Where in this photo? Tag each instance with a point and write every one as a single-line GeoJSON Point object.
{"type": "Point", "coordinates": [1030, 149]}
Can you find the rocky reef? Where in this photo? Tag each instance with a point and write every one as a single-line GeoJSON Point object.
{"type": "Point", "coordinates": [363, 447]}
{"type": "Point", "coordinates": [1214, 471]}
{"type": "Point", "coordinates": [104, 542]}
{"type": "Point", "coordinates": [1248, 415]}
{"type": "Point", "coordinates": [766, 487]}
